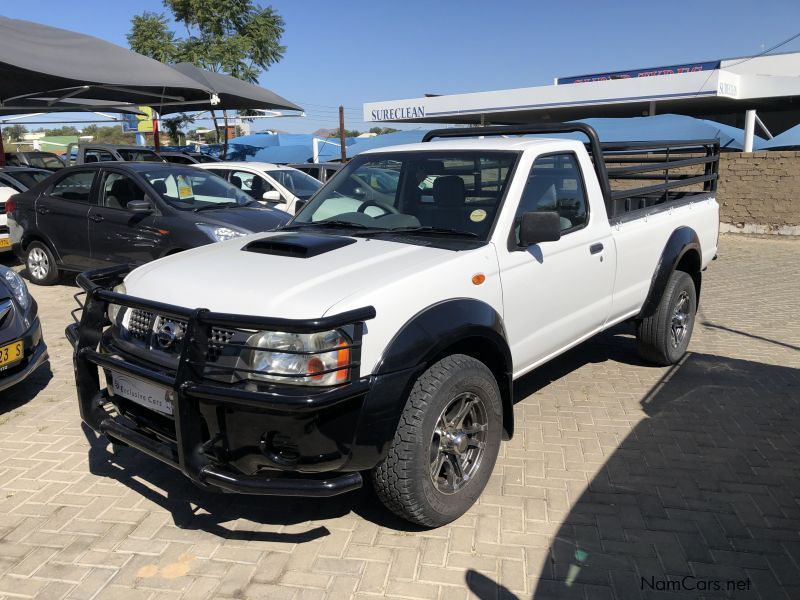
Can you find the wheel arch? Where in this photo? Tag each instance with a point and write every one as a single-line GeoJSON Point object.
{"type": "Point", "coordinates": [682, 252]}
{"type": "Point", "coordinates": [35, 236]}
{"type": "Point", "coordinates": [458, 326]}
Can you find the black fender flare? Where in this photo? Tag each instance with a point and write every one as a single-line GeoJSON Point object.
{"type": "Point", "coordinates": [463, 325]}
{"type": "Point", "coordinates": [681, 241]}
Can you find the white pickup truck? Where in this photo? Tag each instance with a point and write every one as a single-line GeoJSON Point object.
{"type": "Point", "coordinates": [383, 329]}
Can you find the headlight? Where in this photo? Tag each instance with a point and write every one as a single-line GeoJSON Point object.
{"type": "Point", "coordinates": [220, 234]}
{"type": "Point", "coordinates": [300, 358]}
{"type": "Point", "coordinates": [18, 289]}
{"type": "Point", "coordinates": [113, 309]}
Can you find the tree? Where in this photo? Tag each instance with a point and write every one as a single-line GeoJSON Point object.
{"type": "Point", "coordinates": [65, 130]}
{"type": "Point", "coordinates": [150, 35]}
{"type": "Point", "coordinates": [14, 133]}
{"type": "Point", "coordinates": [383, 130]}
{"type": "Point", "coordinates": [334, 133]}
{"type": "Point", "coordinates": [237, 37]}
{"type": "Point", "coordinates": [108, 135]}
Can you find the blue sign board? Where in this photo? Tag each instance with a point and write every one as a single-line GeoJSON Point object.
{"type": "Point", "coordinates": [635, 73]}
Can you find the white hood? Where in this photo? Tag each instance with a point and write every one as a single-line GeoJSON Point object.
{"type": "Point", "coordinates": [224, 278]}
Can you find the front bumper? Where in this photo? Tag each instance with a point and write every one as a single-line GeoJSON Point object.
{"type": "Point", "coordinates": [35, 355]}
{"type": "Point", "coordinates": [282, 440]}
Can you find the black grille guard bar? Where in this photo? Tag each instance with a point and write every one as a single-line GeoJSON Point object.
{"type": "Point", "coordinates": [189, 388]}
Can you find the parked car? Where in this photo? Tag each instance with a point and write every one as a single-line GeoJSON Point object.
{"type": "Point", "coordinates": [22, 348]}
{"type": "Point", "coordinates": [127, 212]}
{"type": "Point", "coordinates": [283, 187]}
{"type": "Point", "coordinates": [186, 158]}
{"type": "Point", "coordinates": [12, 181]}
{"type": "Point", "coordinates": [320, 171]}
{"type": "Point", "coordinates": [37, 159]}
{"type": "Point", "coordinates": [81, 154]}
{"type": "Point", "coordinates": [386, 336]}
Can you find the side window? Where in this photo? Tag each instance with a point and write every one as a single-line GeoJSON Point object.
{"type": "Point", "coordinates": [252, 185]}
{"type": "Point", "coordinates": [75, 186]}
{"type": "Point", "coordinates": [97, 156]}
{"type": "Point", "coordinates": [118, 190]}
{"type": "Point", "coordinates": [555, 183]}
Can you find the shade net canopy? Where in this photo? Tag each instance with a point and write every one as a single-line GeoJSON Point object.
{"type": "Point", "coordinates": [231, 93]}
{"type": "Point", "coordinates": [41, 60]}
{"type": "Point", "coordinates": [67, 105]}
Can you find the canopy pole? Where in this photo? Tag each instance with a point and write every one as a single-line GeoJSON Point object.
{"type": "Point", "coordinates": [2, 150]}
{"type": "Point", "coordinates": [341, 134]}
{"type": "Point", "coordinates": [749, 130]}
{"type": "Point", "coordinates": [156, 141]}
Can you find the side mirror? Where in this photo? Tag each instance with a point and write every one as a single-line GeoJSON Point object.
{"type": "Point", "coordinates": [537, 227]}
{"type": "Point", "coordinates": [359, 192]}
{"type": "Point", "coordinates": [273, 196]}
{"type": "Point", "coordinates": [140, 206]}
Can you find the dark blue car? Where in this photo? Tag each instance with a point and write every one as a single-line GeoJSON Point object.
{"type": "Point", "coordinates": [112, 213]}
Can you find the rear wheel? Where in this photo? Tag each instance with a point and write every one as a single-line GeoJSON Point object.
{"type": "Point", "coordinates": [41, 264]}
{"type": "Point", "coordinates": [446, 443]}
{"type": "Point", "coordinates": [663, 337]}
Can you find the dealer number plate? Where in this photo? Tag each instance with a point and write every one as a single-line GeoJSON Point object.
{"type": "Point", "coordinates": [11, 353]}
{"type": "Point", "coordinates": [5, 243]}
{"type": "Point", "coordinates": [142, 392]}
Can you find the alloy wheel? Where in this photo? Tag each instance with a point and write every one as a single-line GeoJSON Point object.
{"type": "Point", "coordinates": [38, 264]}
{"type": "Point", "coordinates": [458, 443]}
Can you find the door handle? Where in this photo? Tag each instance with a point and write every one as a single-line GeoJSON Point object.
{"type": "Point", "coordinates": [42, 210]}
{"type": "Point", "coordinates": [97, 218]}
{"type": "Point", "coordinates": [596, 248]}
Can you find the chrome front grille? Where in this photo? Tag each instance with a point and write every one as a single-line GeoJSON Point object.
{"type": "Point", "coordinates": [143, 329]}
{"type": "Point", "coordinates": [140, 324]}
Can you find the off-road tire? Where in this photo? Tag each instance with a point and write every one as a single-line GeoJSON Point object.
{"type": "Point", "coordinates": [403, 480]}
{"type": "Point", "coordinates": [654, 336]}
{"type": "Point", "coordinates": [41, 264]}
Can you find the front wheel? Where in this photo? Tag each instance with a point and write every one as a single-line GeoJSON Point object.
{"type": "Point", "coordinates": [663, 337]}
{"type": "Point", "coordinates": [445, 445]}
{"type": "Point", "coordinates": [41, 264]}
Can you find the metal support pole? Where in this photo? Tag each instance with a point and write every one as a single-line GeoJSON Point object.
{"type": "Point", "coordinates": [156, 141]}
{"type": "Point", "coordinates": [2, 150]}
{"type": "Point", "coordinates": [341, 133]}
{"type": "Point", "coordinates": [315, 150]}
{"type": "Point", "coordinates": [749, 129]}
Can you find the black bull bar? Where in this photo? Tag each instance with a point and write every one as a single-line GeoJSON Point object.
{"type": "Point", "coordinates": [188, 386]}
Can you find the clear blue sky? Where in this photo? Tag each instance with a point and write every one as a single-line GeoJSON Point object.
{"type": "Point", "coordinates": [357, 51]}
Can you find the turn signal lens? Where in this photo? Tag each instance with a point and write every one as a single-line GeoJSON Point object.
{"type": "Point", "coordinates": [478, 278]}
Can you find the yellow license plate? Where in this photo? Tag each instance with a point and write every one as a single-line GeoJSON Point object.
{"type": "Point", "coordinates": [11, 353]}
{"type": "Point", "coordinates": [5, 243]}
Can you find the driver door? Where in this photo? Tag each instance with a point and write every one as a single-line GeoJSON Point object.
{"type": "Point", "coordinates": [117, 235]}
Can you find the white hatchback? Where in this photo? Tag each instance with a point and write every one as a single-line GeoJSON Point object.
{"type": "Point", "coordinates": [281, 187]}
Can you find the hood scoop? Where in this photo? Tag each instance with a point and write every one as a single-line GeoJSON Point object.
{"type": "Point", "coordinates": [298, 245]}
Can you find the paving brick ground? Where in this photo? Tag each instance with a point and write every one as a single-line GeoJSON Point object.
{"type": "Point", "coordinates": [622, 478]}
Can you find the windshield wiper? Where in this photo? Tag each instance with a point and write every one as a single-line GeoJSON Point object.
{"type": "Point", "coordinates": [433, 230]}
{"type": "Point", "coordinates": [329, 223]}
{"type": "Point", "coordinates": [218, 205]}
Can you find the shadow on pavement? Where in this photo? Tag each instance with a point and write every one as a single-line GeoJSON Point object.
{"type": "Point", "coordinates": [195, 508]}
{"type": "Point", "coordinates": [701, 499]}
{"type": "Point", "coordinates": [25, 391]}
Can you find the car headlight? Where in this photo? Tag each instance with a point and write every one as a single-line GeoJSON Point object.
{"type": "Point", "coordinates": [18, 289]}
{"type": "Point", "coordinates": [220, 234]}
{"type": "Point", "coordinates": [113, 309]}
{"type": "Point", "coordinates": [317, 359]}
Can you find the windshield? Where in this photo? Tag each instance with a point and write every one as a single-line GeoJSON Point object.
{"type": "Point", "coordinates": [28, 179]}
{"type": "Point", "coordinates": [139, 155]}
{"type": "Point", "coordinates": [45, 161]}
{"type": "Point", "coordinates": [455, 192]}
{"type": "Point", "coordinates": [187, 188]}
{"type": "Point", "coordinates": [298, 183]}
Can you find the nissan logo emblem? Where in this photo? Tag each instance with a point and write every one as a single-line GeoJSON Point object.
{"type": "Point", "coordinates": [167, 335]}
